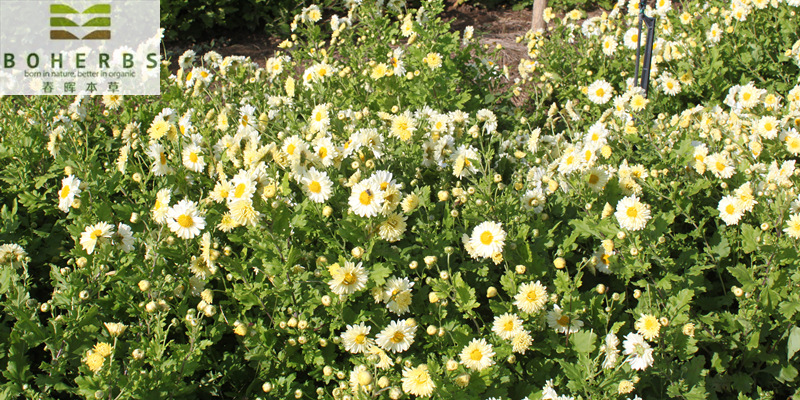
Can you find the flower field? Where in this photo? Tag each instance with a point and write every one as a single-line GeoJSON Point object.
{"type": "Point", "coordinates": [385, 211]}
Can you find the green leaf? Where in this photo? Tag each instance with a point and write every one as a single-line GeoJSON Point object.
{"type": "Point", "coordinates": [743, 276]}
{"type": "Point", "coordinates": [379, 272]}
{"type": "Point", "coordinates": [583, 341]}
{"type": "Point", "coordinates": [794, 342]}
{"type": "Point", "coordinates": [749, 238]}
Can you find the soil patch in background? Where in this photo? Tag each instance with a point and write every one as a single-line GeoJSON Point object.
{"type": "Point", "coordinates": [500, 26]}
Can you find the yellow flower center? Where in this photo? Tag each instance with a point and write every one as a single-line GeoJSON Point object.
{"type": "Point", "coordinates": [314, 187]}
{"type": "Point", "coordinates": [318, 116]}
{"type": "Point", "coordinates": [384, 185]}
{"type": "Point", "coordinates": [730, 209]}
{"type": "Point", "coordinates": [96, 234]}
{"type": "Point", "coordinates": [64, 192]}
{"type": "Point", "coordinates": [163, 158]}
{"type": "Point", "coordinates": [365, 197]}
{"type": "Point", "coordinates": [193, 157]}
{"type": "Point", "coordinates": [360, 338]}
{"type": "Point", "coordinates": [487, 238]}
{"type": "Point", "coordinates": [509, 325]}
{"type": "Point", "coordinates": [768, 126]}
{"type": "Point", "coordinates": [397, 337]}
{"type": "Point", "coordinates": [600, 92]}
{"type": "Point", "coordinates": [563, 321]}
{"type": "Point", "coordinates": [323, 152]}
{"type": "Point", "coordinates": [593, 179]}
{"type": "Point", "coordinates": [290, 149]}
{"type": "Point", "coordinates": [746, 96]}
{"type": "Point", "coordinates": [349, 278]}
{"type": "Point", "coordinates": [185, 221]}
{"type": "Point", "coordinates": [632, 212]}
{"type": "Point", "coordinates": [720, 166]}
{"type": "Point", "coordinates": [532, 296]}
{"type": "Point", "coordinates": [240, 188]}
{"type": "Point", "coordinates": [476, 354]}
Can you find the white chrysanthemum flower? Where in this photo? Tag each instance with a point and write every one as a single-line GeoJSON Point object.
{"type": "Point", "coordinates": [729, 210]}
{"type": "Point", "coordinates": [159, 156]}
{"type": "Point", "coordinates": [600, 92]}
{"type": "Point", "coordinates": [417, 381]}
{"type": "Point", "coordinates": [356, 339]}
{"type": "Point", "coordinates": [745, 198]}
{"type": "Point", "coordinates": [506, 326]}
{"type": "Point", "coordinates": [366, 199]}
{"type": "Point", "coordinates": [521, 341]}
{"type": "Point", "coordinates": [670, 85]}
{"type": "Point", "coordinates": [70, 189]}
{"type": "Point", "coordinates": [242, 187]}
{"type": "Point", "coordinates": [161, 207]}
{"type": "Point", "coordinates": [609, 45]}
{"type": "Point", "coordinates": [185, 220]}
{"type": "Point", "coordinates": [348, 279]}
{"type": "Point", "coordinates": [123, 237]}
{"type": "Point", "coordinates": [393, 227]}
{"type": "Point", "coordinates": [317, 185]}
{"type": "Point", "coordinates": [477, 355]}
{"type": "Point", "coordinates": [563, 323]}
{"type": "Point", "coordinates": [534, 200]}
{"type": "Point", "coordinates": [531, 297]}
{"type": "Point", "coordinates": [597, 178]}
{"type": "Point", "coordinates": [397, 295]}
{"type": "Point", "coordinates": [640, 355]}
{"type": "Point", "coordinates": [325, 150]}
{"type": "Point", "coordinates": [487, 239]}
{"type": "Point", "coordinates": [720, 165]}
{"type": "Point", "coordinates": [631, 38]}
{"type": "Point", "coordinates": [294, 146]}
{"type": "Point", "coordinates": [193, 158]}
{"type": "Point", "coordinates": [793, 226]}
{"type": "Point", "coordinates": [767, 126]}
{"type": "Point", "coordinates": [320, 121]}
{"type": "Point", "coordinates": [632, 214]}
{"type": "Point", "coordinates": [714, 34]}
{"type": "Point", "coordinates": [462, 166]}
{"type": "Point", "coordinates": [397, 337]}
{"type": "Point", "coordinates": [611, 351]}
{"type": "Point", "coordinates": [93, 233]}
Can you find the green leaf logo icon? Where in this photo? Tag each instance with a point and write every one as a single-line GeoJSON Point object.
{"type": "Point", "coordinates": [64, 26]}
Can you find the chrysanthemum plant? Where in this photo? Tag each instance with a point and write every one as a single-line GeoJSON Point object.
{"type": "Point", "coordinates": [372, 216]}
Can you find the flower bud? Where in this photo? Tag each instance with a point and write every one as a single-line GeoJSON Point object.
{"type": "Point", "coordinates": [491, 292]}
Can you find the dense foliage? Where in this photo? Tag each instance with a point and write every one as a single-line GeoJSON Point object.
{"type": "Point", "coordinates": [384, 212]}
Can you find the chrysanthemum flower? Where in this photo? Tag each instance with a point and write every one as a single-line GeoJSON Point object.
{"type": "Point", "coordinates": [243, 212]}
{"type": "Point", "coordinates": [94, 361]}
{"type": "Point", "coordinates": [242, 187]}
{"type": "Point", "coordinates": [521, 341]}
{"type": "Point", "coordinates": [393, 227]}
{"type": "Point", "coordinates": [477, 355]}
{"type": "Point", "coordinates": [397, 337]}
{"type": "Point", "coordinates": [161, 207]}
{"type": "Point", "coordinates": [193, 158]}
{"type": "Point", "coordinates": [640, 355]}
{"type": "Point", "coordinates": [600, 92]}
{"type": "Point", "coordinates": [609, 45]}
{"type": "Point", "coordinates": [720, 165]}
{"type": "Point", "coordinates": [319, 119]}
{"type": "Point", "coordinates": [563, 323]}
{"type": "Point", "coordinates": [433, 60]}
{"type": "Point", "coordinates": [355, 339]}
{"type": "Point", "coordinates": [185, 220]}
{"type": "Point", "coordinates": [93, 233]}
{"type": "Point", "coordinates": [348, 279]}
{"type": "Point", "coordinates": [317, 185]}
{"type": "Point", "coordinates": [611, 351]}
{"type": "Point", "coordinates": [647, 326]}
{"type": "Point", "coordinates": [729, 210]}
{"type": "Point", "coordinates": [158, 154]}
{"type": "Point", "coordinates": [506, 325]}
{"type": "Point", "coordinates": [531, 297]}
{"type": "Point", "coordinates": [417, 381]}
{"type": "Point", "coordinates": [123, 237]}
{"type": "Point", "coordinates": [487, 239]}
{"type": "Point", "coordinates": [632, 214]}
{"type": "Point", "coordinates": [70, 189]}
{"type": "Point", "coordinates": [366, 199]}
{"type": "Point", "coordinates": [793, 226]}
{"type": "Point", "coordinates": [397, 295]}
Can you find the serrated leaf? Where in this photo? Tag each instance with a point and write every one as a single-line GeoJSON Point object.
{"type": "Point", "coordinates": [583, 341]}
